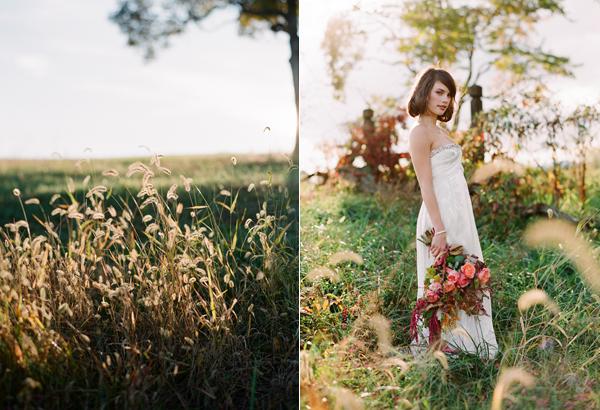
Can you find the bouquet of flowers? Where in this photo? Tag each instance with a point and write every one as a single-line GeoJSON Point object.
{"type": "Point", "coordinates": [456, 281]}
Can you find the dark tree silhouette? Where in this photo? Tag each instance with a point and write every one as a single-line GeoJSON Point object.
{"type": "Point", "coordinates": [148, 23]}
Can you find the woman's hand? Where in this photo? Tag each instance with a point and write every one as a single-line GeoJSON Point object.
{"type": "Point", "coordinates": [438, 245]}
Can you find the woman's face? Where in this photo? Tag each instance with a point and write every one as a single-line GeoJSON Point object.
{"type": "Point", "coordinates": [439, 99]}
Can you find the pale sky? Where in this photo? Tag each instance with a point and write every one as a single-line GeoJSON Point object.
{"type": "Point", "coordinates": [68, 82]}
{"type": "Point", "coordinates": [322, 117]}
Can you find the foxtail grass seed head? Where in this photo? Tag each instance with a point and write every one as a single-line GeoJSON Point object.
{"type": "Point", "coordinates": [345, 399]}
{"type": "Point", "coordinates": [345, 256]}
{"type": "Point", "coordinates": [138, 167]}
{"type": "Point", "coordinates": [441, 357]}
{"type": "Point", "coordinates": [64, 308]}
{"type": "Point", "coordinates": [99, 189]}
{"type": "Point", "coordinates": [563, 235]}
{"type": "Point", "coordinates": [382, 326]}
{"type": "Point", "coordinates": [487, 171]}
{"type": "Point", "coordinates": [152, 228]}
{"type": "Point", "coordinates": [70, 185]}
{"type": "Point", "coordinates": [31, 384]}
{"type": "Point", "coordinates": [171, 194]}
{"type": "Point", "coordinates": [14, 227]}
{"type": "Point", "coordinates": [306, 367]}
{"type": "Point", "coordinates": [322, 272]}
{"type": "Point", "coordinates": [32, 201]}
{"type": "Point", "coordinates": [110, 173]}
{"type": "Point", "coordinates": [75, 215]}
{"type": "Point", "coordinates": [164, 170]}
{"type": "Point", "coordinates": [187, 183]}
{"type": "Point", "coordinates": [537, 297]}
{"type": "Point", "coordinates": [508, 377]}
{"type": "Point", "coordinates": [155, 160]}
{"type": "Point", "coordinates": [58, 211]}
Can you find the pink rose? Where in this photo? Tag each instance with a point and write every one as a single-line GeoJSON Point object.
{"type": "Point", "coordinates": [468, 269]}
{"type": "Point", "coordinates": [484, 275]}
{"type": "Point", "coordinates": [432, 297]}
{"type": "Point", "coordinates": [449, 287]}
{"type": "Point", "coordinates": [435, 287]}
{"type": "Point", "coordinates": [452, 275]}
{"type": "Point", "coordinates": [463, 281]}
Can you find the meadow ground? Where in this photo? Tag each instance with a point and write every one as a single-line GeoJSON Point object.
{"type": "Point", "coordinates": [355, 328]}
{"type": "Point", "coordinates": [149, 282]}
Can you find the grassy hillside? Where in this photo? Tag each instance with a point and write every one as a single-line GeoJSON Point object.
{"type": "Point", "coordinates": [44, 178]}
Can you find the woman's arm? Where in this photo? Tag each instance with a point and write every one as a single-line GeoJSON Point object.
{"type": "Point", "coordinates": [419, 148]}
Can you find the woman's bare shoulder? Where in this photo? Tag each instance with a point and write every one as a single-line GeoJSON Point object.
{"type": "Point", "coordinates": [419, 135]}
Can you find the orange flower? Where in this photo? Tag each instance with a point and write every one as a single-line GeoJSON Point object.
{"type": "Point", "coordinates": [449, 287]}
{"type": "Point", "coordinates": [468, 269]}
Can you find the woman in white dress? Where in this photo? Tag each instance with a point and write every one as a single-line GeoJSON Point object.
{"type": "Point", "coordinates": [446, 207]}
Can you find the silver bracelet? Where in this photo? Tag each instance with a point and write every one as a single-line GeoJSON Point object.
{"type": "Point", "coordinates": [439, 232]}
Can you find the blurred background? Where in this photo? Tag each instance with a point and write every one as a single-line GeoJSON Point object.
{"type": "Point", "coordinates": [361, 54]}
{"type": "Point", "coordinates": [72, 87]}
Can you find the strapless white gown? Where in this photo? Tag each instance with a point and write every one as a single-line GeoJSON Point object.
{"type": "Point", "coordinates": [454, 201]}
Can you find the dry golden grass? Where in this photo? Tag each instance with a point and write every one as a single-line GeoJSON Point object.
{"type": "Point", "coordinates": [537, 297]}
{"type": "Point", "coordinates": [322, 272]}
{"type": "Point", "coordinates": [345, 256]}
{"type": "Point", "coordinates": [507, 378]}
{"type": "Point", "coordinates": [563, 235]}
{"type": "Point", "coordinates": [137, 306]}
{"type": "Point", "coordinates": [497, 166]}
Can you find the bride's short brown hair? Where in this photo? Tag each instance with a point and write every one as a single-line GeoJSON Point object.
{"type": "Point", "coordinates": [418, 100]}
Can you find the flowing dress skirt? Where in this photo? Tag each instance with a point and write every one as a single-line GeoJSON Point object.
{"type": "Point", "coordinates": [473, 333]}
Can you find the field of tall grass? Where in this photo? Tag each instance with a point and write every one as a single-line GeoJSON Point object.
{"type": "Point", "coordinates": [358, 287]}
{"type": "Point", "coordinates": [160, 283]}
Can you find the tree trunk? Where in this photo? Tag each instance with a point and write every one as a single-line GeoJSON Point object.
{"type": "Point", "coordinates": [556, 174]}
{"type": "Point", "coordinates": [459, 105]}
{"type": "Point", "coordinates": [582, 190]}
{"type": "Point", "coordinates": [294, 47]}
